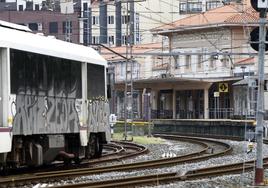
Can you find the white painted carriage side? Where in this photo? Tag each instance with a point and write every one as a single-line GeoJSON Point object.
{"type": "Point", "coordinates": [84, 114]}
{"type": "Point", "coordinates": [5, 135]}
{"type": "Point", "coordinates": [15, 26]}
{"type": "Point", "coordinates": [30, 42]}
{"type": "Point", "coordinates": [5, 87]}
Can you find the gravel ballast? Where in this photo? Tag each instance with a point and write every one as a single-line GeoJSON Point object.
{"type": "Point", "coordinates": [170, 148]}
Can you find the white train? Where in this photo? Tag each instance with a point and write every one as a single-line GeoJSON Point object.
{"type": "Point", "coordinates": [52, 99]}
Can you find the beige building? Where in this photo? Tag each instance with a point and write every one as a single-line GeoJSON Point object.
{"type": "Point", "coordinates": [207, 54]}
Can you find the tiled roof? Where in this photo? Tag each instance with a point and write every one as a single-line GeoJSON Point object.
{"type": "Point", "coordinates": [140, 48]}
{"type": "Point", "coordinates": [246, 61]}
{"type": "Point", "coordinates": [249, 15]}
{"type": "Point", "coordinates": [228, 14]}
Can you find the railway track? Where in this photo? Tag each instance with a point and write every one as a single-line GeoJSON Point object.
{"type": "Point", "coordinates": [115, 151]}
{"type": "Point", "coordinates": [124, 150]}
{"type": "Point", "coordinates": [202, 154]}
{"type": "Point", "coordinates": [158, 179]}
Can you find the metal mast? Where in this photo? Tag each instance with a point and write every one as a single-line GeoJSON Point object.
{"type": "Point", "coordinates": [260, 103]}
{"type": "Point", "coordinates": [128, 95]}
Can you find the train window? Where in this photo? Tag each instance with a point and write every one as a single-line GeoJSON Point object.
{"type": "Point", "coordinates": [96, 82]}
{"type": "Point", "coordinates": [17, 67]}
{"type": "Point", "coordinates": [36, 74]}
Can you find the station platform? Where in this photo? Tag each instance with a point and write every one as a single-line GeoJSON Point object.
{"type": "Point", "coordinates": [205, 127]}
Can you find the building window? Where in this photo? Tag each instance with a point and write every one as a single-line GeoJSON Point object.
{"type": "Point", "coordinates": [124, 39]}
{"type": "Point", "coordinates": [137, 29]}
{"type": "Point", "coordinates": [122, 69]}
{"type": "Point", "coordinates": [36, 7]}
{"type": "Point", "coordinates": [111, 40]}
{"type": "Point", "coordinates": [125, 19]}
{"type": "Point", "coordinates": [213, 4]}
{"type": "Point", "coordinates": [211, 61]}
{"type": "Point", "coordinates": [95, 39]}
{"type": "Point", "coordinates": [33, 26]}
{"type": "Point", "coordinates": [85, 6]}
{"type": "Point", "coordinates": [53, 27]}
{"type": "Point", "coordinates": [188, 61]}
{"type": "Point", "coordinates": [225, 60]}
{"type": "Point", "coordinates": [95, 20]}
{"type": "Point", "coordinates": [199, 60]}
{"type": "Point", "coordinates": [183, 8]}
{"type": "Point", "coordinates": [67, 27]}
{"type": "Point", "coordinates": [176, 62]}
{"type": "Point", "coordinates": [20, 7]}
{"type": "Point", "coordinates": [110, 19]}
{"type": "Point", "coordinates": [190, 7]}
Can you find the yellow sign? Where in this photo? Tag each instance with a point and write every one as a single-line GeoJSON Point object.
{"type": "Point", "coordinates": [223, 87]}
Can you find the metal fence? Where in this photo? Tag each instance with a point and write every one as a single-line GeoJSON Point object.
{"type": "Point", "coordinates": [214, 113]}
{"type": "Point", "coordinates": [221, 113]}
{"type": "Point", "coordinates": [161, 114]}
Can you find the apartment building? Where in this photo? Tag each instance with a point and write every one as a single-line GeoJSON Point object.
{"type": "Point", "coordinates": [46, 22]}
{"type": "Point", "coordinates": [114, 21]}
{"type": "Point", "coordinates": [69, 21]}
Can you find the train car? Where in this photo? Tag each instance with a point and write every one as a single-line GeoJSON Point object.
{"type": "Point", "coordinates": [53, 102]}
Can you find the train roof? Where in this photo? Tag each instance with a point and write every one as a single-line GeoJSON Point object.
{"type": "Point", "coordinates": [27, 41]}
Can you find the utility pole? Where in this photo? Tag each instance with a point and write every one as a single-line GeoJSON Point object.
{"type": "Point", "coordinates": [260, 102]}
{"type": "Point", "coordinates": [111, 73]}
{"type": "Point", "coordinates": [258, 43]}
{"type": "Point", "coordinates": [128, 95]}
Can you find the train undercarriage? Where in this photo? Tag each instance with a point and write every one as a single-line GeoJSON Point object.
{"type": "Point", "coordinates": [38, 150]}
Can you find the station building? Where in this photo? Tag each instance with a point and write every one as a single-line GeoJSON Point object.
{"type": "Point", "coordinates": [206, 73]}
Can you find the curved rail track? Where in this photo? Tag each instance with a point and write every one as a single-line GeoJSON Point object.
{"type": "Point", "coordinates": [124, 150]}
{"type": "Point", "coordinates": [114, 151]}
{"type": "Point", "coordinates": [163, 178]}
{"type": "Point", "coordinates": [202, 154]}
{"type": "Point", "coordinates": [159, 179]}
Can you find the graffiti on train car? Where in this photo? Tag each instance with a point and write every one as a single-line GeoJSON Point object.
{"type": "Point", "coordinates": [38, 114]}
{"type": "Point", "coordinates": [98, 115]}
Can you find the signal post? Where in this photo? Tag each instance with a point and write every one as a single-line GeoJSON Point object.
{"type": "Point", "coordinates": [259, 44]}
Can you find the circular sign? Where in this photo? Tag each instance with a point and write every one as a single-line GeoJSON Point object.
{"type": "Point", "coordinates": [254, 39]}
{"type": "Point", "coordinates": [254, 4]}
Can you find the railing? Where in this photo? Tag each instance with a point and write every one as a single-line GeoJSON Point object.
{"type": "Point", "coordinates": [214, 113]}
{"type": "Point", "coordinates": [121, 115]}
{"type": "Point", "coordinates": [162, 114]}
{"type": "Point", "coordinates": [187, 114]}
{"type": "Point", "coordinates": [221, 113]}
